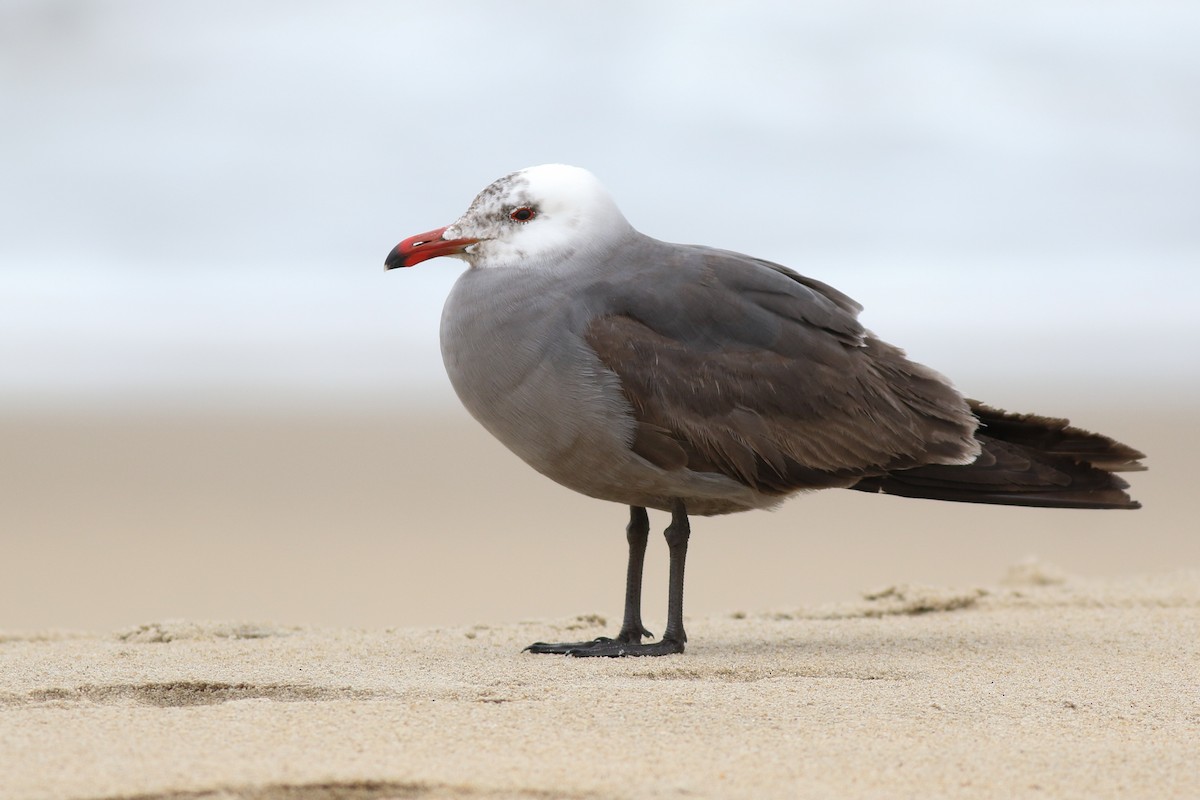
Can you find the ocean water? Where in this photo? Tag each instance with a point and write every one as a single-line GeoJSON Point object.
{"type": "Point", "coordinates": [196, 198]}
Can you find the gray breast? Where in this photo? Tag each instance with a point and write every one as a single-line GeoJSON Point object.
{"type": "Point", "coordinates": [520, 366]}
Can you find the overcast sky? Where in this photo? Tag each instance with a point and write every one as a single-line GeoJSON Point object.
{"type": "Point", "coordinates": [196, 197]}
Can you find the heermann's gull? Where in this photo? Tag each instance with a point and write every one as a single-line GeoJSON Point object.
{"type": "Point", "coordinates": [702, 381]}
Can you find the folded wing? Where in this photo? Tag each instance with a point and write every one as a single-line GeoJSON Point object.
{"type": "Point", "coordinates": [744, 368]}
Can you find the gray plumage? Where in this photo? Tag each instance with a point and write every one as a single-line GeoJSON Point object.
{"type": "Point", "coordinates": [657, 372]}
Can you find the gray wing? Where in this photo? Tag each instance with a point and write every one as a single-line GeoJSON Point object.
{"type": "Point", "coordinates": [742, 367]}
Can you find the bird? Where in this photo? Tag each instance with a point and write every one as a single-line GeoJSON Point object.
{"type": "Point", "coordinates": [701, 381]}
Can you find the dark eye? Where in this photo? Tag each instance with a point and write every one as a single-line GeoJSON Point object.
{"type": "Point", "coordinates": [522, 214]}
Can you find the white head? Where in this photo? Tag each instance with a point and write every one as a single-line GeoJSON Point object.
{"type": "Point", "coordinates": [538, 217]}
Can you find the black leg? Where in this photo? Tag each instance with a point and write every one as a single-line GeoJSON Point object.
{"type": "Point", "coordinates": [628, 641]}
{"type": "Point", "coordinates": [677, 534]}
{"type": "Point", "coordinates": [637, 532]}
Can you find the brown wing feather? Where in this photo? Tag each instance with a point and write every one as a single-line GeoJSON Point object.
{"type": "Point", "coordinates": [814, 411]}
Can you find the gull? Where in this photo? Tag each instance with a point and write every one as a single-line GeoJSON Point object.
{"type": "Point", "coordinates": [702, 381]}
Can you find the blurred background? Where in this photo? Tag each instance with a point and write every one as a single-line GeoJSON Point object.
{"type": "Point", "coordinates": [214, 403]}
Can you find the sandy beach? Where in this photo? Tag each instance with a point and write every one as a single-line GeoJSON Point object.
{"type": "Point", "coordinates": [372, 589]}
{"type": "Point", "coordinates": [1043, 686]}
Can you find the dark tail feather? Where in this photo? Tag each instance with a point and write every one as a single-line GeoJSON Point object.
{"type": "Point", "coordinates": [1056, 436]}
{"type": "Point", "coordinates": [1027, 460]}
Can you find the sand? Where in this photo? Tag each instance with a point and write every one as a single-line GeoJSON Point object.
{"type": "Point", "coordinates": [1044, 685]}
{"type": "Point", "coordinates": [373, 582]}
{"type": "Point", "coordinates": [391, 519]}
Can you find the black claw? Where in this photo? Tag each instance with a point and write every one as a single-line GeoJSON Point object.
{"type": "Point", "coordinates": [563, 648]}
{"type": "Point", "coordinates": [607, 647]}
{"type": "Point", "coordinates": [635, 635]}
